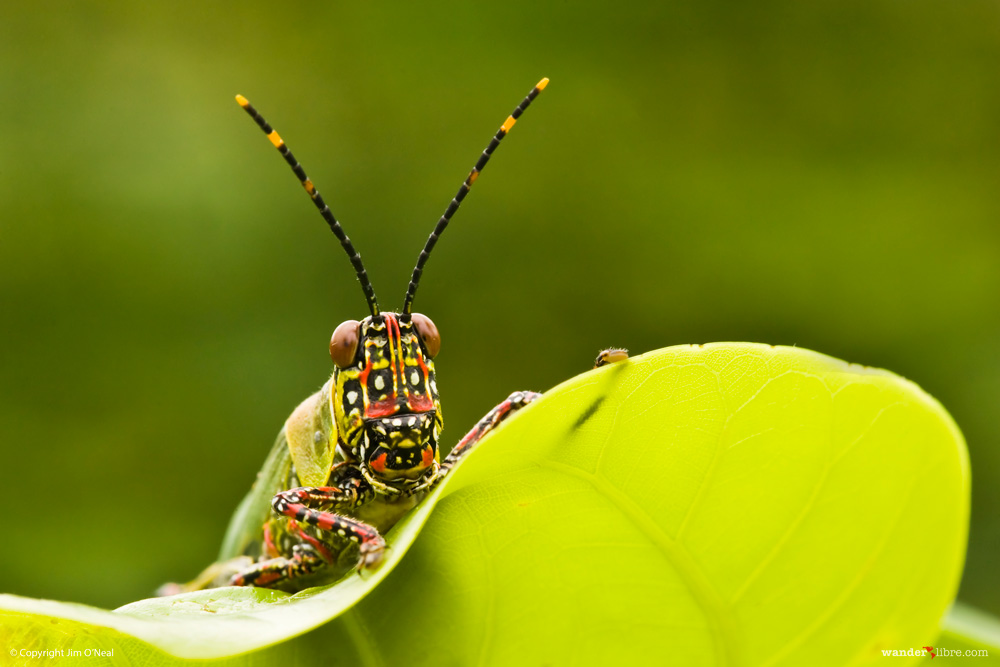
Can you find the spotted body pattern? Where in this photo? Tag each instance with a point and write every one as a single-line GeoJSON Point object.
{"type": "Point", "coordinates": [357, 455]}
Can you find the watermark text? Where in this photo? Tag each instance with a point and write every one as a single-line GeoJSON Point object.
{"type": "Point", "coordinates": [51, 653]}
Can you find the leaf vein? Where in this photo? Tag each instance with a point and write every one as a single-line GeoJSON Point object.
{"type": "Point", "coordinates": [717, 613]}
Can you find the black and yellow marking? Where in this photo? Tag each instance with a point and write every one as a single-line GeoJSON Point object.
{"type": "Point", "coordinates": [317, 199]}
{"type": "Point", "coordinates": [464, 190]}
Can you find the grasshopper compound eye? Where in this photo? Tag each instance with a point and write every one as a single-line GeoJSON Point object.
{"type": "Point", "coordinates": [344, 343]}
{"type": "Point", "coordinates": [428, 334]}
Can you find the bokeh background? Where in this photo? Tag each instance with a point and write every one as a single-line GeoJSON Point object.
{"type": "Point", "coordinates": [815, 174]}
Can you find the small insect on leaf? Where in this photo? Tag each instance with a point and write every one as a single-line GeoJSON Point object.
{"type": "Point", "coordinates": [610, 356]}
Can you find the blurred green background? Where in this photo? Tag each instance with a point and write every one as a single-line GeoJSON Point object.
{"type": "Point", "coordinates": [815, 174]}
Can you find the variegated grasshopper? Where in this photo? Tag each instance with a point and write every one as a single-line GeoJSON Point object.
{"type": "Point", "coordinates": [358, 454]}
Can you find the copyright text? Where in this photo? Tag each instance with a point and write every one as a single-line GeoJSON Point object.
{"type": "Point", "coordinates": [62, 653]}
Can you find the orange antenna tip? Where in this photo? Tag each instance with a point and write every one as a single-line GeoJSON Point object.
{"type": "Point", "coordinates": [243, 102]}
{"type": "Point", "coordinates": [541, 84]}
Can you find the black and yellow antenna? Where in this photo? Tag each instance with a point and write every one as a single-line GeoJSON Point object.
{"type": "Point", "coordinates": [317, 199]}
{"type": "Point", "coordinates": [464, 190]}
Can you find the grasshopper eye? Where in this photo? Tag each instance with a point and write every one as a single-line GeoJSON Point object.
{"type": "Point", "coordinates": [344, 343]}
{"type": "Point", "coordinates": [428, 334]}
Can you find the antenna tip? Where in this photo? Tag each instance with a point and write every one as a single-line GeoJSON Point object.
{"type": "Point", "coordinates": [244, 102]}
{"type": "Point", "coordinates": [541, 84]}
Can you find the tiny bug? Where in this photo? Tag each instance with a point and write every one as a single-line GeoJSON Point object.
{"type": "Point", "coordinates": [354, 457]}
{"type": "Point", "coordinates": [610, 356]}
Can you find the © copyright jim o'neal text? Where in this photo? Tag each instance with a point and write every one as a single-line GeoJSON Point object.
{"type": "Point", "coordinates": [62, 653]}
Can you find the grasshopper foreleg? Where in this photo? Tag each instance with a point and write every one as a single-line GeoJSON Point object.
{"type": "Point", "coordinates": [493, 418]}
{"type": "Point", "coordinates": [307, 553]}
{"type": "Point", "coordinates": [294, 504]}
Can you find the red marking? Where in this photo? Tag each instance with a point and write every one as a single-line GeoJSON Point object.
{"type": "Point", "coordinates": [420, 403]}
{"type": "Point", "coordinates": [269, 547]}
{"type": "Point", "coordinates": [323, 551]}
{"type": "Point", "coordinates": [930, 649]}
{"type": "Point", "coordinates": [392, 326]}
{"type": "Point", "coordinates": [266, 578]}
{"type": "Point", "coordinates": [427, 458]}
{"type": "Point", "coordinates": [321, 519]}
{"type": "Point", "coordinates": [384, 408]}
{"type": "Point", "coordinates": [378, 463]}
{"type": "Point", "coordinates": [469, 437]}
{"type": "Point", "coordinates": [363, 375]}
{"type": "Point", "coordinates": [375, 409]}
{"type": "Point", "coordinates": [423, 366]}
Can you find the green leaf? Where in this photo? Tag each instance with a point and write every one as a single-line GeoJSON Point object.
{"type": "Point", "coordinates": [727, 504]}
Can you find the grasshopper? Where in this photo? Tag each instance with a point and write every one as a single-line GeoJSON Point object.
{"type": "Point", "coordinates": [358, 454]}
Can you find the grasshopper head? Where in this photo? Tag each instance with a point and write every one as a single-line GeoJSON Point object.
{"type": "Point", "coordinates": [386, 403]}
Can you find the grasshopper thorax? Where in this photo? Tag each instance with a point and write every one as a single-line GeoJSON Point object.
{"type": "Point", "coordinates": [385, 402]}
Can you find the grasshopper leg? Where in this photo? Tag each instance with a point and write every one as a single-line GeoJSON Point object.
{"type": "Point", "coordinates": [294, 504]}
{"type": "Point", "coordinates": [306, 558]}
{"type": "Point", "coordinates": [493, 418]}
{"type": "Point", "coordinates": [300, 553]}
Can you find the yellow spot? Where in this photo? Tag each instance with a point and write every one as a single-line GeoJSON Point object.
{"type": "Point", "coordinates": [509, 123]}
{"type": "Point", "coordinates": [473, 175]}
{"type": "Point", "coordinates": [243, 102]}
{"type": "Point", "coordinates": [275, 139]}
{"type": "Point", "coordinates": [308, 185]}
{"type": "Point", "coordinates": [541, 84]}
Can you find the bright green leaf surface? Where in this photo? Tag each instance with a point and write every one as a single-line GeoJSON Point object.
{"type": "Point", "coordinates": [731, 504]}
